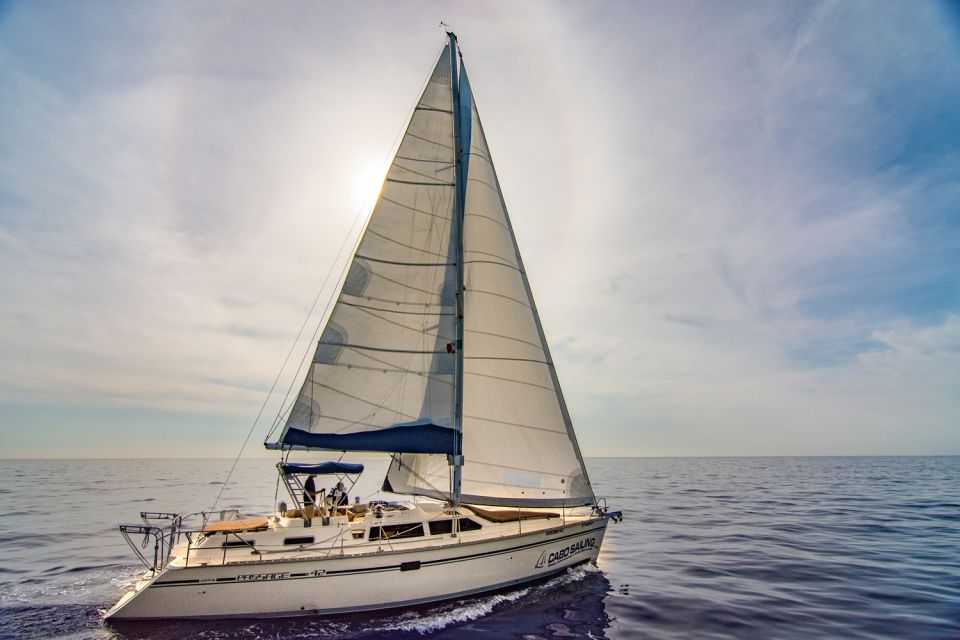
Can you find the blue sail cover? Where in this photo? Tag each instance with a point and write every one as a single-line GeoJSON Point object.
{"type": "Point", "coordinates": [322, 468]}
{"type": "Point", "coordinates": [414, 437]}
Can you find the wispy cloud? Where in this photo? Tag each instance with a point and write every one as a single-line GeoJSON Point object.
{"type": "Point", "coordinates": [739, 221]}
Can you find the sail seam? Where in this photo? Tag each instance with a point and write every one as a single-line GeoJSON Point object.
{"type": "Point", "coordinates": [417, 330]}
{"type": "Point", "coordinates": [350, 422]}
{"type": "Point", "coordinates": [368, 356]}
{"type": "Point", "coordinates": [432, 160]}
{"type": "Point", "coordinates": [366, 348]}
{"type": "Point", "coordinates": [359, 399]}
{"type": "Point", "coordinates": [419, 108]}
{"type": "Point", "coordinates": [500, 335]}
{"type": "Point", "coordinates": [506, 466]}
{"type": "Point", "coordinates": [484, 183]}
{"type": "Point", "coordinates": [397, 242]}
{"type": "Point", "coordinates": [400, 167]}
{"type": "Point", "coordinates": [500, 264]}
{"type": "Point", "coordinates": [490, 218]}
{"type": "Point", "coordinates": [487, 253]}
{"type": "Point", "coordinates": [510, 380]}
{"type": "Point", "coordinates": [415, 210]}
{"type": "Point", "coordinates": [436, 377]}
{"type": "Point", "coordinates": [411, 313]}
{"type": "Point", "coordinates": [423, 184]}
{"type": "Point", "coordinates": [408, 264]}
{"type": "Point", "coordinates": [480, 155]}
{"type": "Point", "coordinates": [395, 158]}
{"type": "Point", "coordinates": [499, 295]}
{"type": "Point", "coordinates": [405, 286]}
{"type": "Point", "coordinates": [439, 144]}
{"type": "Point", "coordinates": [407, 302]}
{"type": "Point", "coordinates": [549, 364]}
{"type": "Point", "coordinates": [516, 424]}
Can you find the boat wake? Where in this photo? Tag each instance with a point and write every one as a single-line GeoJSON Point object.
{"type": "Point", "coordinates": [470, 609]}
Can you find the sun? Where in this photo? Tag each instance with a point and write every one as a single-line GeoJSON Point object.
{"type": "Point", "coordinates": [366, 182]}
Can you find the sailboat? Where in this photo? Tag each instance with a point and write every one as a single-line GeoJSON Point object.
{"type": "Point", "coordinates": [434, 354]}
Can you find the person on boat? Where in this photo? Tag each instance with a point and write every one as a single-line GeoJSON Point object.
{"type": "Point", "coordinates": [309, 499]}
{"type": "Point", "coordinates": [339, 500]}
{"type": "Point", "coordinates": [340, 497]}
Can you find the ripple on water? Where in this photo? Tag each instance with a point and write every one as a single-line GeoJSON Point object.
{"type": "Point", "coordinates": [709, 548]}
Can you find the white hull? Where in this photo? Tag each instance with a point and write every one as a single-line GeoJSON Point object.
{"type": "Point", "coordinates": [361, 581]}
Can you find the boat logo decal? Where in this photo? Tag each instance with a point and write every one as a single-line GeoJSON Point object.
{"type": "Point", "coordinates": [553, 557]}
{"type": "Point", "coordinates": [280, 575]}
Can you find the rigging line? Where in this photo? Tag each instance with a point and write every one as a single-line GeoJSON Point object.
{"type": "Point", "coordinates": [394, 148]}
{"type": "Point", "coordinates": [293, 346]}
{"type": "Point", "coordinates": [343, 245]}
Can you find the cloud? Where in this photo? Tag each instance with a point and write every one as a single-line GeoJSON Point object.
{"type": "Point", "coordinates": [738, 221]}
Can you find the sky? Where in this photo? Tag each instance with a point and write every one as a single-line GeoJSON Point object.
{"type": "Point", "coordinates": [740, 220]}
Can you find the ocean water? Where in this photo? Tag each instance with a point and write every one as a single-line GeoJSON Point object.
{"type": "Point", "coordinates": [709, 548]}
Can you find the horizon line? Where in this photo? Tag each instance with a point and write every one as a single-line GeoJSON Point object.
{"type": "Point", "coordinates": [808, 455]}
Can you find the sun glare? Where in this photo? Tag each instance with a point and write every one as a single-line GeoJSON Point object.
{"type": "Point", "coordinates": [366, 182]}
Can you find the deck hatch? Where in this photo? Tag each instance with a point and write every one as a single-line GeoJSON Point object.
{"type": "Point", "coordinates": [237, 543]}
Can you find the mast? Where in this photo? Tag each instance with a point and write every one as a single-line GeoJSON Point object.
{"type": "Point", "coordinates": [460, 179]}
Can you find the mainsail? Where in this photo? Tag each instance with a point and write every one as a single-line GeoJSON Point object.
{"type": "Point", "coordinates": [385, 374]}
